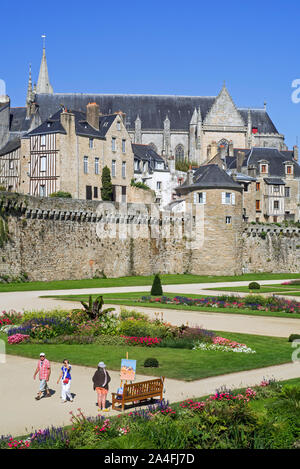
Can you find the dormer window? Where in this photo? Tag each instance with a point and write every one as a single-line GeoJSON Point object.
{"type": "Point", "coordinates": [289, 169]}
{"type": "Point", "coordinates": [264, 168]}
{"type": "Point", "coordinates": [118, 125]}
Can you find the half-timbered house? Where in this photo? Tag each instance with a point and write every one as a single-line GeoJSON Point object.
{"type": "Point", "coordinates": [69, 151]}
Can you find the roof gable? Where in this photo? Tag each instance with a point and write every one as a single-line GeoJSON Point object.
{"type": "Point", "coordinates": [224, 111]}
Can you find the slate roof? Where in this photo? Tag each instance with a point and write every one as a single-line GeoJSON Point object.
{"type": "Point", "coordinates": [12, 145]}
{"type": "Point", "coordinates": [146, 153]}
{"type": "Point", "coordinates": [209, 176]}
{"type": "Point", "coordinates": [276, 181]}
{"type": "Point", "coordinates": [274, 157]}
{"type": "Point", "coordinates": [18, 121]}
{"type": "Point", "coordinates": [82, 127]}
{"type": "Point", "coordinates": [152, 109]}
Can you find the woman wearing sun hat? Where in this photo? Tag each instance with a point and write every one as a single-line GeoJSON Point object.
{"type": "Point", "coordinates": [101, 379]}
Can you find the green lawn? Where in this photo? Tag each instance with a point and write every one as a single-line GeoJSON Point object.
{"type": "Point", "coordinates": [181, 364]}
{"type": "Point", "coordinates": [168, 279]}
{"type": "Point", "coordinates": [263, 289]}
{"type": "Point", "coordinates": [132, 299]}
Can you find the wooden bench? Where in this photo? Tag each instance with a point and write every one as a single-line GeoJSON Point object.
{"type": "Point", "coordinates": [139, 392]}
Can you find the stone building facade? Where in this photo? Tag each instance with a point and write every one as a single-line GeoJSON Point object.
{"type": "Point", "coordinates": [69, 151]}
{"type": "Point", "coordinates": [188, 127]}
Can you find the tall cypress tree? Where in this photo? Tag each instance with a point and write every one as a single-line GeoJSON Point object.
{"type": "Point", "coordinates": [107, 188]}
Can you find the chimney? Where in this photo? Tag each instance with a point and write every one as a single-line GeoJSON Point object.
{"type": "Point", "coordinates": [67, 120]}
{"type": "Point", "coordinates": [223, 152]}
{"type": "Point", "coordinates": [190, 176]}
{"type": "Point", "coordinates": [239, 161]}
{"type": "Point", "coordinates": [296, 152]}
{"type": "Point", "coordinates": [92, 115]}
{"type": "Point", "coordinates": [252, 170]}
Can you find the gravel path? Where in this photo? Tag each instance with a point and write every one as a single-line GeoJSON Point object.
{"type": "Point", "coordinates": [22, 414]}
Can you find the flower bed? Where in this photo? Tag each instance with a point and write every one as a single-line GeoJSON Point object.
{"type": "Point", "coordinates": [147, 341]}
{"type": "Point", "coordinates": [256, 303]}
{"type": "Point", "coordinates": [17, 338]}
{"type": "Point", "coordinates": [220, 344]}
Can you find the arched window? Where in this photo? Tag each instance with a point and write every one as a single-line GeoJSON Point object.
{"type": "Point", "coordinates": [223, 144]}
{"type": "Point", "coordinates": [179, 153]}
{"type": "Point", "coordinates": [153, 146]}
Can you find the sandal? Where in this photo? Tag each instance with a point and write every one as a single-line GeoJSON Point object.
{"type": "Point", "coordinates": [37, 398]}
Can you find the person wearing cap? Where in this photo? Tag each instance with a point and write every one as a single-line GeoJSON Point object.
{"type": "Point", "coordinates": [101, 379]}
{"type": "Point", "coordinates": [44, 370]}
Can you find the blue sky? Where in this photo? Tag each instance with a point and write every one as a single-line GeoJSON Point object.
{"type": "Point", "coordinates": [159, 47]}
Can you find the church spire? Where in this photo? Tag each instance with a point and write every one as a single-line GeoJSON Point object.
{"type": "Point", "coordinates": [29, 97]}
{"type": "Point", "coordinates": [29, 87]}
{"type": "Point", "coordinates": [43, 84]}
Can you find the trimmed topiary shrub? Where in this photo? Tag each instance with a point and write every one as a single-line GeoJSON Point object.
{"type": "Point", "coordinates": [151, 363]}
{"type": "Point", "coordinates": [294, 337]}
{"type": "Point", "coordinates": [254, 286]}
{"type": "Point", "coordinates": [156, 289]}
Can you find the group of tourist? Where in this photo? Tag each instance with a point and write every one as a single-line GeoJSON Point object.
{"type": "Point", "coordinates": [100, 380]}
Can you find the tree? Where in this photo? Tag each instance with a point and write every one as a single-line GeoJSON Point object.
{"type": "Point", "coordinates": [107, 188]}
{"type": "Point", "coordinates": [156, 289]}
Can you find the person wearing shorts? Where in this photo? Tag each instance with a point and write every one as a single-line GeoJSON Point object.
{"type": "Point", "coordinates": [101, 379]}
{"type": "Point", "coordinates": [44, 370]}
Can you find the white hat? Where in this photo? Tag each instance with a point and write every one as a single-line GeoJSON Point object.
{"type": "Point", "coordinates": [42, 354]}
{"type": "Point", "coordinates": [101, 365]}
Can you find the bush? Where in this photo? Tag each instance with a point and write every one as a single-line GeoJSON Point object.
{"type": "Point", "coordinates": [126, 314]}
{"type": "Point", "coordinates": [62, 194]}
{"type": "Point", "coordinates": [254, 286]}
{"type": "Point", "coordinates": [140, 328]}
{"type": "Point", "coordinates": [151, 363]}
{"type": "Point", "coordinates": [156, 289]}
{"type": "Point", "coordinates": [294, 337]}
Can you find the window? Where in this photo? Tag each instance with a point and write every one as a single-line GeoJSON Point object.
{"type": "Point", "coordinates": [113, 144]}
{"type": "Point", "coordinates": [159, 165]}
{"type": "Point", "coordinates": [123, 146]}
{"type": "Point", "coordinates": [257, 205]}
{"type": "Point", "coordinates": [179, 153]}
{"type": "Point", "coordinates": [113, 168]}
{"type": "Point", "coordinates": [228, 198]}
{"type": "Point", "coordinates": [42, 190]}
{"type": "Point", "coordinates": [43, 163]}
{"type": "Point", "coordinates": [91, 143]}
{"type": "Point", "coordinates": [88, 192]}
{"type": "Point", "coordinates": [11, 164]}
{"type": "Point", "coordinates": [123, 169]}
{"type": "Point", "coordinates": [228, 220]}
{"type": "Point", "coordinates": [287, 192]}
{"type": "Point", "coordinates": [85, 165]}
{"type": "Point", "coordinates": [96, 165]}
{"type": "Point", "coordinates": [276, 188]}
{"type": "Point", "coordinates": [258, 186]}
{"type": "Point", "coordinates": [276, 204]}
{"type": "Point", "coordinates": [289, 170]}
{"type": "Point", "coordinates": [95, 192]}
{"type": "Point", "coordinates": [158, 185]}
{"type": "Point", "coordinates": [118, 125]}
{"type": "Point", "coordinates": [136, 165]}
{"type": "Point", "coordinates": [263, 168]}
{"type": "Point", "coordinates": [43, 140]}
{"type": "Point", "coordinates": [200, 198]}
